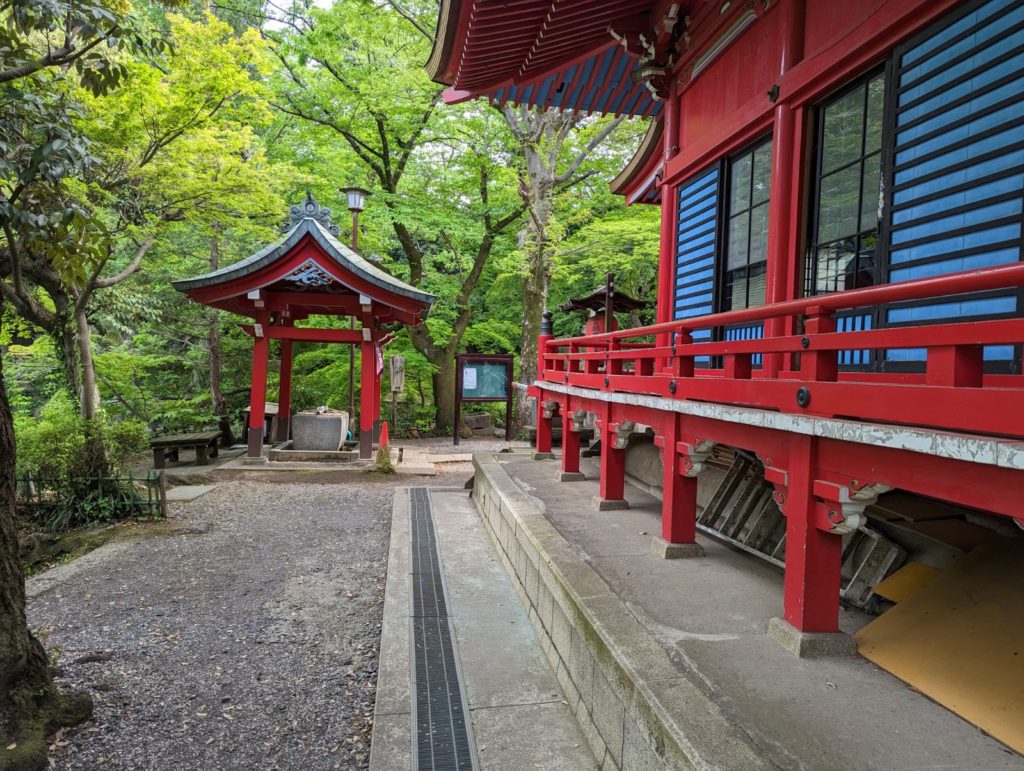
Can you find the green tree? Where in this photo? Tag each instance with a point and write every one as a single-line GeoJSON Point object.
{"type": "Point", "coordinates": [158, 150]}
{"type": "Point", "coordinates": [50, 50]}
{"type": "Point", "coordinates": [354, 72]}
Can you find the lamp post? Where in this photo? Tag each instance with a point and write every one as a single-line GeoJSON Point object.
{"type": "Point", "coordinates": [356, 199]}
{"type": "Point", "coordinates": [356, 203]}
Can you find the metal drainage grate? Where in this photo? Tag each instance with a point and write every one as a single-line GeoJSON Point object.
{"type": "Point", "coordinates": [442, 734]}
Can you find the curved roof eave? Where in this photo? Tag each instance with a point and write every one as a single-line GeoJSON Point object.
{"type": "Point", "coordinates": [643, 163]}
{"type": "Point", "coordinates": [345, 257]}
{"type": "Point", "coordinates": [444, 41]}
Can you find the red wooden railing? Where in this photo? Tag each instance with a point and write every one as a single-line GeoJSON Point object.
{"type": "Point", "coordinates": [804, 377]}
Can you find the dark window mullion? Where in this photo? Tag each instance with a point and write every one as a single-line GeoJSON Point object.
{"type": "Point", "coordinates": [859, 241]}
{"type": "Point", "coordinates": [750, 229]}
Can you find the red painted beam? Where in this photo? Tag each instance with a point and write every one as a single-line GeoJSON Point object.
{"type": "Point", "coordinates": [308, 334]}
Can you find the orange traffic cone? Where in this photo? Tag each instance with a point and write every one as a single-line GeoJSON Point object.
{"type": "Point", "coordinates": [385, 440]}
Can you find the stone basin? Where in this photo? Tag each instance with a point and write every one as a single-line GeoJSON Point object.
{"type": "Point", "coordinates": [314, 431]}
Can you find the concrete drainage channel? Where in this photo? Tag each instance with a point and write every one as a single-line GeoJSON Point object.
{"type": "Point", "coordinates": [443, 735]}
{"type": "Point", "coordinates": [463, 681]}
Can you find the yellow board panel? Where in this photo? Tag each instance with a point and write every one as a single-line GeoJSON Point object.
{"type": "Point", "coordinates": [960, 640]}
{"type": "Point", "coordinates": [907, 581]}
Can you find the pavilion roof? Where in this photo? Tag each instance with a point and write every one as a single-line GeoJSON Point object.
{"type": "Point", "coordinates": [308, 271]}
{"type": "Point", "coordinates": [595, 301]}
{"type": "Point", "coordinates": [569, 54]}
{"type": "Point", "coordinates": [345, 258]}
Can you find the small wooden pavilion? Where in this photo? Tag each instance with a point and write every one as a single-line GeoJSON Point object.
{"type": "Point", "coordinates": [604, 302]}
{"type": "Point", "coordinates": [310, 272]}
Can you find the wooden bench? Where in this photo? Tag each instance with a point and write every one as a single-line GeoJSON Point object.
{"type": "Point", "coordinates": [204, 443]}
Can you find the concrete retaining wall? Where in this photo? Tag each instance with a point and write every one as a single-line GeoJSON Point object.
{"type": "Point", "coordinates": [636, 707]}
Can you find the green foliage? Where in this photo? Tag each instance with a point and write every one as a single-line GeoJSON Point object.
{"type": "Point", "coordinates": [210, 129]}
{"type": "Point", "coordinates": [53, 445]}
{"type": "Point", "coordinates": [53, 449]}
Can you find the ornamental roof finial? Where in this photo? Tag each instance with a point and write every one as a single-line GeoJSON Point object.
{"type": "Point", "coordinates": [312, 210]}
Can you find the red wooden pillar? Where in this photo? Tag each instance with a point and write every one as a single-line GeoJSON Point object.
{"type": "Point", "coordinates": [612, 483]}
{"type": "Point", "coordinates": [679, 497]}
{"type": "Point", "coordinates": [783, 212]}
{"type": "Point", "coordinates": [666, 251]}
{"type": "Point", "coordinates": [367, 384]}
{"type": "Point", "coordinates": [813, 556]}
{"type": "Point", "coordinates": [376, 396]}
{"type": "Point", "coordinates": [544, 422]}
{"type": "Point", "coordinates": [284, 397]}
{"type": "Point", "coordinates": [258, 392]}
{"type": "Point", "coordinates": [570, 446]}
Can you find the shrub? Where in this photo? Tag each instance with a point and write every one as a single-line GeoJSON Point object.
{"type": "Point", "coordinates": [73, 463]}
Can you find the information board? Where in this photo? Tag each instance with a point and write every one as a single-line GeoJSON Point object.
{"type": "Point", "coordinates": [485, 380]}
{"type": "Point", "coordinates": [483, 377]}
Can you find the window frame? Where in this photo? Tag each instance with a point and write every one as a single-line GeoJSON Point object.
{"type": "Point", "coordinates": [726, 166]}
{"type": "Point", "coordinates": [879, 314]}
{"type": "Point", "coordinates": [815, 169]}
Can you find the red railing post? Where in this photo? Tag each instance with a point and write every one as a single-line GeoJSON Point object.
{"type": "Point", "coordinates": [955, 365]}
{"type": "Point", "coordinates": [681, 365]}
{"type": "Point", "coordinates": [542, 348]}
{"type": "Point", "coordinates": [819, 365]}
{"type": "Point", "coordinates": [737, 366]}
{"type": "Point", "coordinates": [612, 366]}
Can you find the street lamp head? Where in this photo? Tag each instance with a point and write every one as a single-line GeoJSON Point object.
{"type": "Point", "coordinates": [356, 198]}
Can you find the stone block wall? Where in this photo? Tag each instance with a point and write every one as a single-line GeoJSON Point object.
{"type": "Point", "coordinates": [636, 708]}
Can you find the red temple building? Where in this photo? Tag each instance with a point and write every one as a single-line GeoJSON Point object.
{"type": "Point", "coordinates": [310, 272]}
{"type": "Point", "coordinates": [841, 286]}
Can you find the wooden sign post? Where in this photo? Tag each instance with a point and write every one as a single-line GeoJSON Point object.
{"type": "Point", "coordinates": [482, 377]}
{"type": "Point", "coordinates": [397, 371]}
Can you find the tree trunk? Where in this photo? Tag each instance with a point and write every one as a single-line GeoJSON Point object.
{"type": "Point", "coordinates": [66, 343]}
{"type": "Point", "coordinates": [220, 405]}
{"type": "Point", "coordinates": [444, 390]}
{"type": "Point", "coordinates": [541, 136]}
{"type": "Point", "coordinates": [90, 399]}
{"type": "Point", "coordinates": [535, 297]}
{"type": "Point", "coordinates": [30, 705]}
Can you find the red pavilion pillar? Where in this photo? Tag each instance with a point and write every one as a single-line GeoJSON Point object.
{"type": "Point", "coordinates": [367, 386]}
{"type": "Point", "coordinates": [376, 394]}
{"type": "Point", "coordinates": [258, 390]}
{"type": "Point", "coordinates": [284, 398]}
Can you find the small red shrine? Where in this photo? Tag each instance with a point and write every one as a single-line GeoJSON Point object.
{"type": "Point", "coordinates": [310, 272]}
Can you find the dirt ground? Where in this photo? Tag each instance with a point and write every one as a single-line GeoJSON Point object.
{"type": "Point", "coordinates": [245, 636]}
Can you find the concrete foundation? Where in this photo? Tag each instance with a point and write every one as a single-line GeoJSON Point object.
{"type": "Point", "coordinates": [571, 476]}
{"type": "Point", "coordinates": [248, 460]}
{"type": "Point", "coordinates": [543, 455]}
{"type": "Point", "coordinates": [286, 453]}
{"type": "Point", "coordinates": [609, 504]}
{"type": "Point", "coordinates": [807, 645]}
{"type": "Point", "coordinates": [675, 551]}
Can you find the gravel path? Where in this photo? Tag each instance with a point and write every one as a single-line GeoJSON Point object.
{"type": "Point", "coordinates": [250, 640]}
